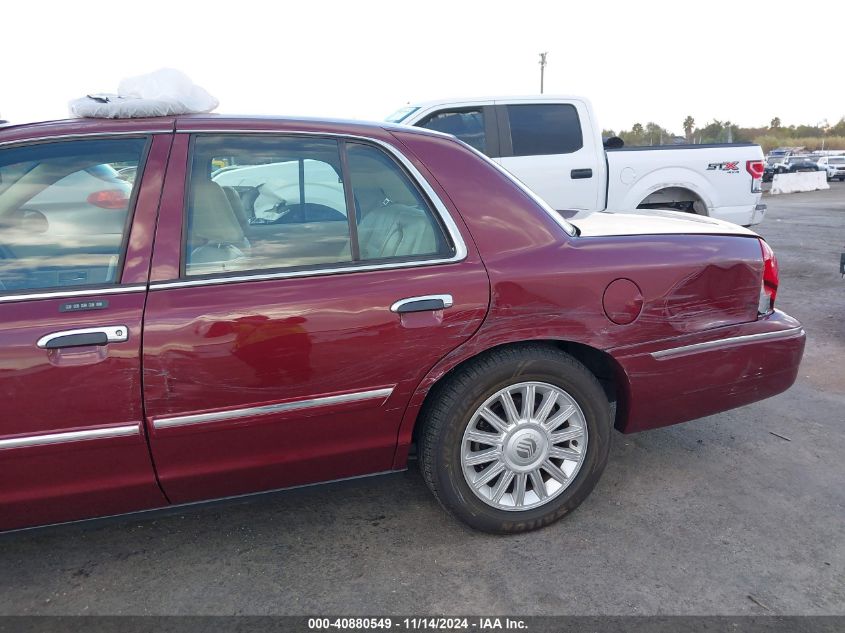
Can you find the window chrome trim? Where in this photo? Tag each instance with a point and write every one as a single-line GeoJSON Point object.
{"type": "Point", "coordinates": [317, 272]}
{"type": "Point", "coordinates": [70, 436]}
{"type": "Point", "coordinates": [296, 405]}
{"type": "Point", "coordinates": [82, 292]}
{"type": "Point", "coordinates": [65, 137]}
{"type": "Point", "coordinates": [439, 207]}
{"type": "Point", "coordinates": [727, 342]}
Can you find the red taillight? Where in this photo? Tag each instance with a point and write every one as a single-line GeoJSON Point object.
{"type": "Point", "coordinates": [109, 199]}
{"type": "Point", "coordinates": [769, 287]}
{"type": "Point", "coordinates": [755, 168]}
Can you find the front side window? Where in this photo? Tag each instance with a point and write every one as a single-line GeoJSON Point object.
{"type": "Point", "coordinates": [277, 203]}
{"type": "Point", "coordinates": [467, 125]}
{"type": "Point", "coordinates": [64, 212]}
{"type": "Point", "coordinates": [544, 128]}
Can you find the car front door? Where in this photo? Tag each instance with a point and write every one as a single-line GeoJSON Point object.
{"type": "Point", "coordinates": [74, 263]}
{"type": "Point", "coordinates": [549, 147]}
{"type": "Point", "coordinates": [302, 286]}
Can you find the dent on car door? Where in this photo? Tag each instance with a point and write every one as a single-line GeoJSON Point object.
{"type": "Point", "coordinates": [73, 273]}
{"type": "Point", "coordinates": [283, 341]}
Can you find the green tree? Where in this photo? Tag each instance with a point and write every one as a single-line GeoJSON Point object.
{"type": "Point", "coordinates": [712, 132]}
{"type": "Point", "coordinates": [775, 124]}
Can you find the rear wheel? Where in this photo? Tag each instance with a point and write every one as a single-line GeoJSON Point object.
{"type": "Point", "coordinates": [516, 439]}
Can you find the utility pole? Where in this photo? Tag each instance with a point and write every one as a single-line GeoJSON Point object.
{"type": "Point", "coordinates": [542, 69]}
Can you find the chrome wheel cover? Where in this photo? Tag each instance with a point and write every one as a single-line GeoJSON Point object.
{"type": "Point", "coordinates": [524, 446]}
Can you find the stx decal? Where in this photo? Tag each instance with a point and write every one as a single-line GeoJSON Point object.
{"type": "Point", "coordinates": [732, 166]}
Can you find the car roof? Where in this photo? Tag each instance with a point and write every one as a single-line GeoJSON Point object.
{"type": "Point", "coordinates": [200, 123]}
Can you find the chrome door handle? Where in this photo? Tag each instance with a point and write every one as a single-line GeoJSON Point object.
{"type": "Point", "coordinates": [84, 337]}
{"type": "Point", "coordinates": [423, 303]}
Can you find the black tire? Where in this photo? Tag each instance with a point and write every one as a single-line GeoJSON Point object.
{"type": "Point", "coordinates": [452, 404]}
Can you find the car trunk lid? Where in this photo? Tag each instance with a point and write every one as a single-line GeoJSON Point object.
{"type": "Point", "coordinates": [649, 222]}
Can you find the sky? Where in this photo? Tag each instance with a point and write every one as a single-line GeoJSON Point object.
{"type": "Point", "coordinates": [637, 61]}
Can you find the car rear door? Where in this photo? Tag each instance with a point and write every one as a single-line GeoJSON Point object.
{"type": "Point", "coordinates": [551, 148]}
{"type": "Point", "coordinates": [285, 332]}
{"type": "Point", "coordinates": [74, 263]}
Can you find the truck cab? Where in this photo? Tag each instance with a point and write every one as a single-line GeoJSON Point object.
{"type": "Point", "coordinates": [542, 140]}
{"type": "Point", "coordinates": [553, 144]}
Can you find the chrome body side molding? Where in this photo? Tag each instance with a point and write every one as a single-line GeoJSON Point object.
{"type": "Point", "coordinates": [70, 436]}
{"type": "Point", "coordinates": [726, 342]}
{"type": "Point", "coordinates": [296, 405]}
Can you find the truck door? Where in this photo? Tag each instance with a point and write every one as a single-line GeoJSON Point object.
{"type": "Point", "coordinates": [550, 146]}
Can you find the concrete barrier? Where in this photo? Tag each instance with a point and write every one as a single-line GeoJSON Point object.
{"type": "Point", "coordinates": [799, 181]}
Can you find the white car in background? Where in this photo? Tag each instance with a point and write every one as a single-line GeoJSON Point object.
{"type": "Point", "coordinates": [95, 196]}
{"type": "Point", "coordinates": [270, 191]}
{"type": "Point", "coordinates": [835, 167]}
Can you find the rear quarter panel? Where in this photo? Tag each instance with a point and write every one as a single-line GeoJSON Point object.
{"type": "Point", "coordinates": [546, 285]}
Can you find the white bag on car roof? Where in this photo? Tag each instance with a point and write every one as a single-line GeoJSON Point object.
{"type": "Point", "coordinates": [161, 93]}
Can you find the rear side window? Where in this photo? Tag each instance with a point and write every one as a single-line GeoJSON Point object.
{"type": "Point", "coordinates": [393, 218]}
{"type": "Point", "coordinates": [467, 125]}
{"type": "Point", "coordinates": [65, 212]}
{"type": "Point", "coordinates": [286, 203]}
{"type": "Point", "coordinates": [545, 128]}
{"type": "Point", "coordinates": [259, 203]}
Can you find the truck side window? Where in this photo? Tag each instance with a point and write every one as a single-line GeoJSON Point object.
{"type": "Point", "coordinates": [466, 124]}
{"type": "Point", "coordinates": [544, 128]}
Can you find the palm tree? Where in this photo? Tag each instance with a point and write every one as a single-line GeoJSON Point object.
{"type": "Point", "coordinates": [689, 126]}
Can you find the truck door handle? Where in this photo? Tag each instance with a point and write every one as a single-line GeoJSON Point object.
{"type": "Point", "coordinates": [424, 303]}
{"type": "Point", "coordinates": [84, 337]}
{"type": "Point", "coordinates": [581, 173]}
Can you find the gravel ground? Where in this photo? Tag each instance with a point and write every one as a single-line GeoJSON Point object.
{"type": "Point", "coordinates": [715, 516]}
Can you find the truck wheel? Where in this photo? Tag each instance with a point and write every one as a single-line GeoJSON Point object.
{"type": "Point", "coordinates": [516, 439]}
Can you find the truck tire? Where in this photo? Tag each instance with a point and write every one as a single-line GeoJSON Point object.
{"type": "Point", "coordinates": [515, 439]}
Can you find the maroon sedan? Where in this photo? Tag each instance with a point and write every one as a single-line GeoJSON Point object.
{"type": "Point", "coordinates": [282, 302]}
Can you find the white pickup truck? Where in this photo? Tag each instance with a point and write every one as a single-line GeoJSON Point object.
{"type": "Point", "coordinates": [554, 145]}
